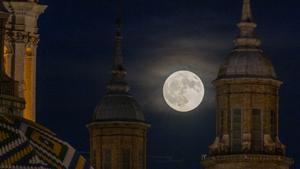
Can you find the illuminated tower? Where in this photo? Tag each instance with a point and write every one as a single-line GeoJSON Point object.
{"type": "Point", "coordinates": [247, 107]}
{"type": "Point", "coordinates": [21, 44]}
{"type": "Point", "coordinates": [10, 102]}
{"type": "Point", "coordinates": [118, 131]}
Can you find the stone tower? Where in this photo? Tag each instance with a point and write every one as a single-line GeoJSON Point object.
{"type": "Point", "coordinates": [247, 91]}
{"type": "Point", "coordinates": [10, 102]}
{"type": "Point", "coordinates": [118, 131]}
{"type": "Point", "coordinates": [20, 49]}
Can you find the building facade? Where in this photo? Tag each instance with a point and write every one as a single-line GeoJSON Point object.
{"type": "Point", "coordinates": [247, 95]}
{"type": "Point", "coordinates": [21, 43]}
{"type": "Point", "coordinates": [118, 130]}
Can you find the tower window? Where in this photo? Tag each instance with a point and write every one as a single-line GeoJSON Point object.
{"type": "Point", "coordinates": [142, 159]}
{"type": "Point", "coordinates": [236, 131]}
{"type": "Point", "coordinates": [126, 159]}
{"type": "Point", "coordinates": [106, 159]}
{"type": "Point", "coordinates": [93, 157]}
{"type": "Point", "coordinates": [273, 124]}
{"type": "Point", "coordinates": [256, 140]}
{"type": "Point", "coordinates": [222, 123]}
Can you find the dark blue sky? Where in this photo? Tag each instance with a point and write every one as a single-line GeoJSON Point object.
{"type": "Point", "coordinates": [161, 36]}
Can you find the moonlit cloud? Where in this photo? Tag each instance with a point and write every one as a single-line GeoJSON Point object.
{"type": "Point", "coordinates": [200, 56]}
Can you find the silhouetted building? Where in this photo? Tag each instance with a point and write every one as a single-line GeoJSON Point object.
{"type": "Point", "coordinates": [247, 97]}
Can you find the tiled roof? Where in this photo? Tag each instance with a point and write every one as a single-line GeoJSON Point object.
{"type": "Point", "coordinates": [24, 144]}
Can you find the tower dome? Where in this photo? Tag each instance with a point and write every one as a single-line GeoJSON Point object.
{"type": "Point", "coordinates": [247, 59]}
{"type": "Point", "coordinates": [118, 107]}
{"type": "Point", "coordinates": [247, 63]}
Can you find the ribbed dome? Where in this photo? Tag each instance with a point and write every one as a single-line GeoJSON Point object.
{"type": "Point", "coordinates": [114, 107]}
{"type": "Point", "coordinates": [247, 63]}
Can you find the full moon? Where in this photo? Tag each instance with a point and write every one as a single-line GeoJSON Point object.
{"type": "Point", "coordinates": [183, 91]}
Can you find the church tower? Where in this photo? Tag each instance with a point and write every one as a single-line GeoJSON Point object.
{"type": "Point", "coordinates": [118, 131]}
{"type": "Point", "coordinates": [247, 94]}
{"type": "Point", "coordinates": [20, 48]}
{"type": "Point", "coordinates": [10, 102]}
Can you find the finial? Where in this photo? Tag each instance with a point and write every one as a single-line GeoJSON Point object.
{"type": "Point", "coordinates": [118, 83]}
{"type": "Point", "coordinates": [247, 26]}
{"type": "Point", "coordinates": [246, 12]}
{"type": "Point", "coordinates": [118, 57]}
{"type": "Point", "coordinates": [247, 38]}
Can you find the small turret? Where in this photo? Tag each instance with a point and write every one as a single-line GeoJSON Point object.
{"type": "Point", "coordinates": [118, 130]}
{"type": "Point", "coordinates": [247, 95]}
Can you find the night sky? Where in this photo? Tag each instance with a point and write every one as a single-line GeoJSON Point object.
{"type": "Point", "coordinates": [161, 36]}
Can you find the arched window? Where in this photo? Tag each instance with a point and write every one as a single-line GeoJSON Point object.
{"type": "Point", "coordinates": [142, 159]}
{"type": "Point", "coordinates": [273, 122]}
{"type": "Point", "coordinates": [106, 159]}
{"type": "Point", "coordinates": [126, 159]}
{"type": "Point", "coordinates": [94, 158]}
{"type": "Point", "coordinates": [256, 138]}
{"type": "Point", "coordinates": [236, 131]}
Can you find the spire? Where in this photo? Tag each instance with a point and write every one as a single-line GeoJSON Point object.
{"type": "Point", "coordinates": [246, 13]}
{"type": "Point", "coordinates": [118, 83]}
{"type": "Point", "coordinates": [247, 38]}
{"type": "Point", "coordinates": [118, 55]}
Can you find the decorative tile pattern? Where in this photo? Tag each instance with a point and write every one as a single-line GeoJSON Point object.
{"type": "Point", "coordinates": [27, 145]}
